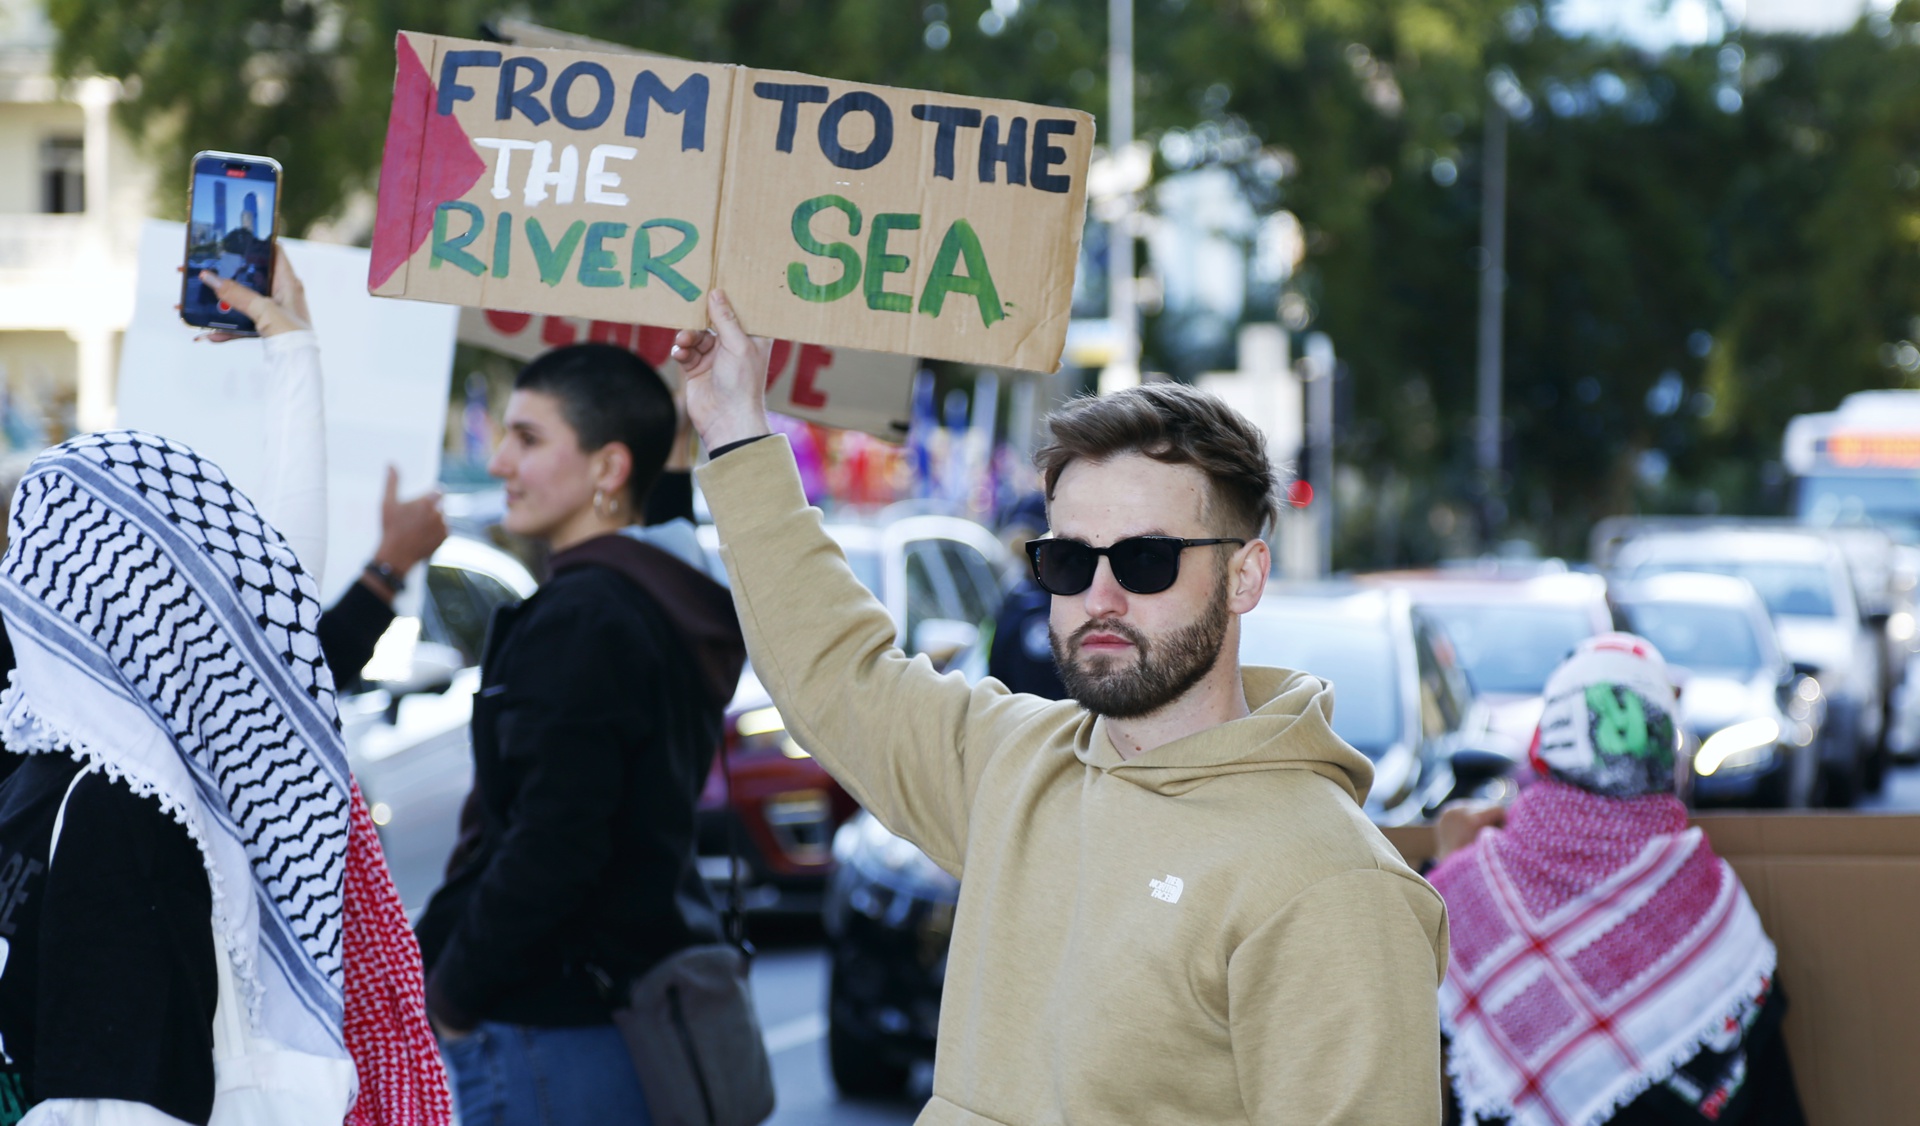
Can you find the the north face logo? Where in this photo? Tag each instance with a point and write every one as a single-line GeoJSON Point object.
{"type": "Point", "coordinates": [1167, 890]}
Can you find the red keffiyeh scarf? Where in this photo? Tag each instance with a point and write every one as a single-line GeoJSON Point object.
{"type": "Point", "coordinates": [1598, 944]}
{"type": "Point", "coordinates": [402, 1081]}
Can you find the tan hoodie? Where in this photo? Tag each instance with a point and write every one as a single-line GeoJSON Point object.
{"type": "Point", "coordinates": [1212, 932]}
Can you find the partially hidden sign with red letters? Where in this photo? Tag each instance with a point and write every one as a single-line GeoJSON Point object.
{"type": "Point", "coordinates": [621, 188]}
{"type": "Point", "coordinates": [838, 387]}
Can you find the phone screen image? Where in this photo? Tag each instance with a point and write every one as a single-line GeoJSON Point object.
{"type": "Point", "coordinates": [229, 232]}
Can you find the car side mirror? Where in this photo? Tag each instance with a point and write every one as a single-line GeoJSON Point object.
{"type": "Point", "coordinates": [943, 639]}
{"type": "Point", "coordinates": [431, 669]}
{"type": "Point", "coordinates": [1474, 767]}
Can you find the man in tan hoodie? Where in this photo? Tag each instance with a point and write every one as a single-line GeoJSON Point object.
{"type": "Point", "coordinates": [1174, 912]}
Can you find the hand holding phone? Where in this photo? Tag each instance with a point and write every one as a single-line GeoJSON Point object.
{"type": "Point", "coordinates": [284, 311]}
{"type": "Point", "coordinates": [233, 223]}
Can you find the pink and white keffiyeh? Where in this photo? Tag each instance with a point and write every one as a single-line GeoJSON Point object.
{"type": "Point", "coordinates": [1598, 944]}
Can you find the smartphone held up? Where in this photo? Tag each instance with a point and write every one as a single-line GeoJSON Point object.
{"type": "Point", "coordinates": [233, 217]}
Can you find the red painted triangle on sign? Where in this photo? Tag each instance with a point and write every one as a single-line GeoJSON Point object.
{"type": "Point", "coordinates": [428, 161]}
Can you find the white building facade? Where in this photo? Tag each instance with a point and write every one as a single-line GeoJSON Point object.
{"type": "Point", "coordinates": [72, 195]}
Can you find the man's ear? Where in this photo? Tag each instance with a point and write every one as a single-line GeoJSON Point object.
{"type": "Point", "coordinates": [1247, 577]}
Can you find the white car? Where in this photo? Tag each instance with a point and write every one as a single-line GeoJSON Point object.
{"type": "Point", "coordinates": [1511, 634]}
{"type": "Point", "coordinates": [939, 578]}
{"type": "Point", "coordinates": [1401, 697]}
{"type": "Point", "coordinates": [406, 726]}
{"type": "Point", "coordinates": [1803, 579]}
{"type": "Point", "coordinates": [1748, 721]}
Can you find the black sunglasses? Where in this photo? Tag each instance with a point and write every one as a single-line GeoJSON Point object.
{"type": "Point", "coordinates": [1142, 564]}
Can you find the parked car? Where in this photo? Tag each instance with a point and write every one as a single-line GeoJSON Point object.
{"type": "Point", "coordinates": [1400, 699]}
{"type": "Point", "coordinates": [1401, 696]}
{"type": "Point", "coordinates": [939, 578]}
{"type": "Point", "coordinates": [406, 724]}
{"type": "Point", "coordinates": [889, 920]}
{"type": "Point", "coordinates": [1751, 721]}
{"type": "Point", "coordinates": [1510, 634]}
{"type": "Point", "coordinates": [1804, 581]}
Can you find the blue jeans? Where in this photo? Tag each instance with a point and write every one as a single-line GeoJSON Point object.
{"type": "Point", "coordinates": [514, 1075]}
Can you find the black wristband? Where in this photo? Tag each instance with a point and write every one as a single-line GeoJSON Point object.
{"type": "Point", "coordinates": [394, 580]}
{"type": "Point", "coordinates": [736, 445]}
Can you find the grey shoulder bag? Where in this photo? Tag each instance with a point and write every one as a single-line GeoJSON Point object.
{"type": "Point", "coordinates": [691, 1029]}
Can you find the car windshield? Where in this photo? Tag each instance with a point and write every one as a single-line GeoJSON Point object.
{"type": "Point", "coordinates": [1511, 648]}
{"type": "Point", "coordinates": [1707, 639]}
{"type": "Point", "coordinates": [1802, 589]}
{"type": "Point", "coordinates": [1891, 502]}
{"type": "Point", "coordinates": [1357, 658]}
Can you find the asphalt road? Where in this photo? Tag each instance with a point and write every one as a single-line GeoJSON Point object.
{"type": "Point", "coordinates": [790, 989]}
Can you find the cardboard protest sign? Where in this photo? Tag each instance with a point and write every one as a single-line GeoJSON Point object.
{"type": "Point", "coordinates": [930, 224]}
{"type": "Point", "coordinates": [837, 387]}
{"type": "Point", "coordinates": [621, 187]}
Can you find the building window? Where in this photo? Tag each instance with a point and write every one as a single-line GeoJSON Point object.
{"type": "Point", "coordinates": [63, 185]}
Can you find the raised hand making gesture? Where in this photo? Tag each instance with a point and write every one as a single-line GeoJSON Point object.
{"type": "Point", "coordinates": [726, 372]}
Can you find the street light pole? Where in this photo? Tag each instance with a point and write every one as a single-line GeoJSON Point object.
{"type": "Point", "coordinates": [1493, 285]}
{"type": "Point", "coordinates": [1123, 308]}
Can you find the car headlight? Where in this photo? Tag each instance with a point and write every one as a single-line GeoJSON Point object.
{"type": "Point", "coordinates": [764, 729]}
{"type": "Point", "coordinates": [1900, 626]}
{"type": "Point", "coordinates": [1739, 747]}
{"type": "Point", "coordinates": [867, 845]}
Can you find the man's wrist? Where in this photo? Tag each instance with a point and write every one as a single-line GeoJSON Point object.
{"type": "Point", "coordinates": [729, 431]}
{"type": "Point", "coordinates": [719, 450]}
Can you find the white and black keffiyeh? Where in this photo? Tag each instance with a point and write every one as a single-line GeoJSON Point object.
{"type": "Point", "coordinates": [165, 632]}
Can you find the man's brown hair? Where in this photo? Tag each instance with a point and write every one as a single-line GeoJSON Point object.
{"type": "Point", "coordinates": [1179, 425]}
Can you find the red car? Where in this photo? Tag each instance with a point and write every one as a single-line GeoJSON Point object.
{"type": "Point", "coordinates": [785, 808]}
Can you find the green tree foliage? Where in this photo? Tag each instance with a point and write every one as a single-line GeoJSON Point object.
{"type": "Point", "coordinates": [307, 82]}
{"type": "Point", "coordinates": [1701, 244]}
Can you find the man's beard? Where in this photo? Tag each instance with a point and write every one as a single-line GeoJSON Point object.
{"type": "Point", "coordinates": [1162, 672]}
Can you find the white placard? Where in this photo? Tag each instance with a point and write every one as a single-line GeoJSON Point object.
{"type": "Point", "coordinates": [386, 365]}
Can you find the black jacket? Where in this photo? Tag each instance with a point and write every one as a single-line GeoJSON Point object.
{"type": "Point", "coordinates": [350, 630]}
{"type": "Point", "coordinates": [595, 725]}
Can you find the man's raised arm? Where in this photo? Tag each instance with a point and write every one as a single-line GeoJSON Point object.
{"type": "Point", "coordinates": [908, 742]}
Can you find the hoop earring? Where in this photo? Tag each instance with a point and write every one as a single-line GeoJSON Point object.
{"type": "Point", "coordinates": [599, 498]}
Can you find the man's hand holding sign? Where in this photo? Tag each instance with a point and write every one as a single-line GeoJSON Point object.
{"type": "Point", "coordinates": [725, 371]}
{"type": "Point", "coordinates": [625, 188]}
